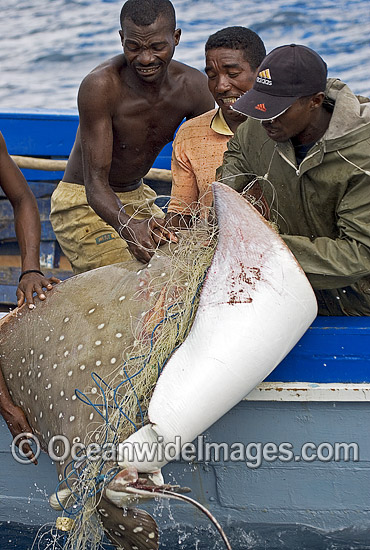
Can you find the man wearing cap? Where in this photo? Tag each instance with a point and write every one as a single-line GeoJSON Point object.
{"type": "Point", "coordinates": [307, 140]}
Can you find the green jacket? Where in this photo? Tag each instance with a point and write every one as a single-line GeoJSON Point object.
{"type": "Point", "coordinates": [322, 206]}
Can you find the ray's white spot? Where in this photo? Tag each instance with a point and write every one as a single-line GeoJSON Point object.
{"type": "Point", "coordinates": [122, 527]}
{"type": "Point", "coordinates": [19, 374]}
{"type": "Point", "coordinates": [70, 373]}
{"type": "Point", "coordinates": [98, 342]}
{"type": "Point", "coordinates": [10, 376]}
{"type": "Point", "coordinates": [74, 397]}
{"type": "Point", "coordinates": [41, 356]}
{"type": "Point", "coordinates": [98, 363]}
{"type": "Point", "coordinates": [91, 310]}
{"type": "Point", "coordinates": [94, 390]}
{"type": "Point", "coordinates": [55, 365]}
{"type": "Point", "coordinates": [61, 337]}
{"type": "Point", "coordinates": [60, 415]}
{"type": "Point", "coordinates": [29, 373]}
{"type": "Point", "coordinates": [38, 375]}
{"type": "Point", "coordinates": [22, 388]}
{"type": "Point", "coordinates": [36, 398]}
{"type": "Point", "coordinates": [141, 283]}
{"type": "Point", "coordinates": [40, 414]}
{"type": "Point", "coordinates": [138, 272]}
{"type": "Point", "coordinates": [61, 393]}
{"type": "Point", "coordinates": [48, 386]}
{"type": "Point", "coordinates": [47, 339]}
{"type": "Point", "coordinates": [113, 360]}
{"type": "Point", "coordinates": [151, 294]}
{"type": "Point", "coordinates": [103, 512]}
{"type": "Point", "coordinates": [66, 319]}
{"type": "Point", "coordinates": [121, 298]}
{"type": "Point", "coordinates": [102, 325]}
{"type": "Point", "coordinates": [91, 416]}
{"type": "Point", "coordinates": [151, 535]}
{"type": "Point", "coordinates": [32, 352]}
{"type": "Point", "coordinates": [66, 353]}
{"type": "Point", "coordinates": [29, 391]}
{"type": "Point", "coordinates": [71, 418]}
{"type": "Point", "coordinates": [79, 347]}
{"type": "Point", "coordinates": [149, 265]}
{"type": "Point", "coordinates": [137, 529]}
{"type": "Point", "coordinates": [23, 360]}
{"type": "Point", "coordinates": [21, 403]}
{"type": "Point", "coordinates": [51, 406]}
{"type": "Point", "coordinates": [118, 335]}
{"type": "Point", "coordinates": [82, 367]}
{"type": "Point", "coordinates": [60, 477]}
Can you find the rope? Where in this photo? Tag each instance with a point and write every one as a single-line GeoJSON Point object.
{"type": "Point", "coordinates": [156, 174]}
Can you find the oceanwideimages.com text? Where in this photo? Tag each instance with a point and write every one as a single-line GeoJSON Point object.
{"type": "Point", "coordinates": [254, 454]}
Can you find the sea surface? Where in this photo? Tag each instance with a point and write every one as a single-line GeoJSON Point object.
{"type": "Point", "coordinates": [48, 46]}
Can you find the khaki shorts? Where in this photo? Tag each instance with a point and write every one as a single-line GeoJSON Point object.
{"type": "Point", "coordinates": [87, 240]}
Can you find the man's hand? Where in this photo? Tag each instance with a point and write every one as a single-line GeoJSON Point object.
{"type": "Point", "coordinates": [18, 424]}
{"type": "Point", "coordinates": [31, 283]}
{"type": "Point", "coordinates": [144, 236]}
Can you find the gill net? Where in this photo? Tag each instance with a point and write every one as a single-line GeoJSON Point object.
{"type": "Point", "coordinates": [122, 398]}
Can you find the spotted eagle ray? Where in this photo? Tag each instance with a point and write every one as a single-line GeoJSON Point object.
{"type": "Point", "coordinates": [255, 303]}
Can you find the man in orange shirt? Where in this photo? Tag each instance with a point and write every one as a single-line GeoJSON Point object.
{"type": "Point", "coordinates": [233, 56]}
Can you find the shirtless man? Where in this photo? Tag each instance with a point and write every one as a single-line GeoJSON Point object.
{"type": "Point", "coordinates": [129, 107]}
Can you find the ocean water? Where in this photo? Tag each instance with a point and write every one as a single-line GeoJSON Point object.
{"type": "Point", "coordinates": [48, 46]}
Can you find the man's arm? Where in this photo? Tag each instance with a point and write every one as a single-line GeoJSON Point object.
{"type": "Point", "coordinates": [14, 417]}
{"type": "Point", "coordinates": [235, 171]}
{"type": "Point", "coordinates": [95, 100]}
{"type": "Point", "coordinates": [27, 228]}
{"type": "Point", "coordinates": [336, 263]}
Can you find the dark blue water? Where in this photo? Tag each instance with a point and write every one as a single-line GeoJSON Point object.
{"type": "Point", "coordinates": [48, 46]}
{"type": "Point", "coordinates": [14, 536]}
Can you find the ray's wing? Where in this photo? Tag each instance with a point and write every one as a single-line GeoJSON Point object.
{"type": "Point", "coordinates": [128, 528]}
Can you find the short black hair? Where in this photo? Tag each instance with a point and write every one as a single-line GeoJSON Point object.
{"type": "Point", "coordinates": [145, 12]}
{"type": "Point", "coordinates": [239, 38]}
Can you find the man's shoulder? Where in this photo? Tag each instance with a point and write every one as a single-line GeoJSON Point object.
{"type": "Point", "coordinates": [200, 122]}
{"type": "Point", "coordinates": [106, 73]}
{"type": "Point", "coordinates": [177, 67]}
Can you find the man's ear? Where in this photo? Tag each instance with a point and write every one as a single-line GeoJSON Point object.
{"type": "Point", "coordinates": [121, 35]}
{"type": "Point", "coordinates": [176, 36]}
{"type": "Point", "coordinates": [317, 100]}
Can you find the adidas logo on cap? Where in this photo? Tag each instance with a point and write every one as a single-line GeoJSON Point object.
{"type": "Point", "coordinates": [261, 107]}
{"type": "Point", "coordinates": [264, 77]}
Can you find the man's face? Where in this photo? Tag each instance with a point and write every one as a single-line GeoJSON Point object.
{"type": "Point", "coordinates": [229, 77]}
{"type": "Point", "coordinates": [149, 49]}
{"type": "Point", "coordinates": [297, 122]}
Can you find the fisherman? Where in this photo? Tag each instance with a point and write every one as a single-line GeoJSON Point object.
{"type": "Point", "coordinates": [307, 141]}
{"type": "Point", "coordinates": [31, 280]}
{"type": "Point", "coordinates": [129, 108]}
{"type": "Point", "coordinates": [233, 55]}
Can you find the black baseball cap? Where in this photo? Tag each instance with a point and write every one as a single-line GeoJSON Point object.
{"type": "Point", "coordinates": [286, 74]}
